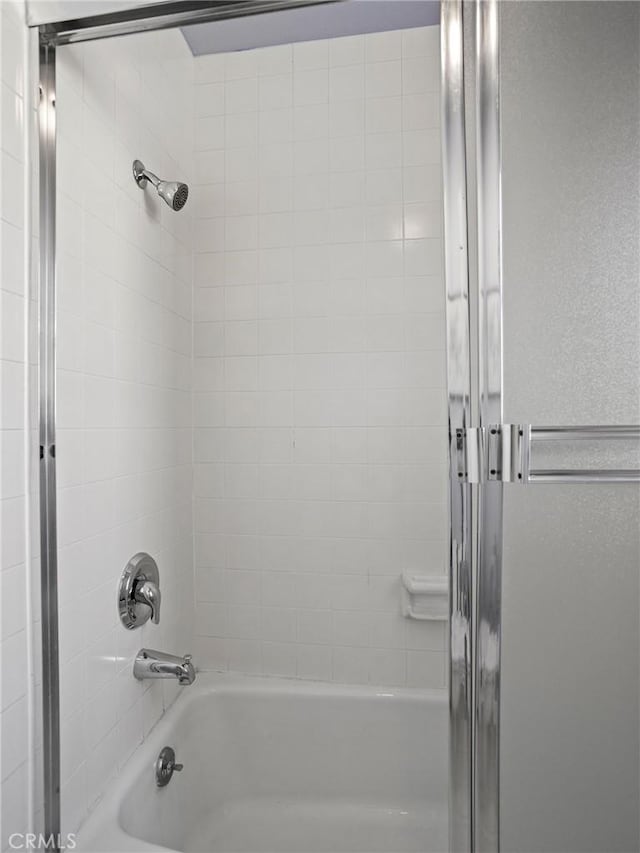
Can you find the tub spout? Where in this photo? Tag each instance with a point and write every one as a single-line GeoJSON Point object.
{"type": "Point", "coordinates": [150, 663]}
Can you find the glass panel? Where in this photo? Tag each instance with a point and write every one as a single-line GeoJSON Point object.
{"type": "Point", "coordinates": [570, 723]}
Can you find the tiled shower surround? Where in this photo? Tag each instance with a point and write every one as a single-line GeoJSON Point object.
{"type": "Point", "coordinates": [18, 658]}
{"type": "Point", "coordinates": [261, 375]}
{"type": "Point", "coordinates": [124, 392]}
{"type": "Point", "coordinates": [319, 372]}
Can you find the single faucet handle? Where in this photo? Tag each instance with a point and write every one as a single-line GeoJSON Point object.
{"type": "Point", "coordinates": [139, 584]}
{"type": "Point", "coordinates": [148, 593]}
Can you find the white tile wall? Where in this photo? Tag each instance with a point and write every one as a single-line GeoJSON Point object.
{"type": "Point", "coordinates": [319, 376]}
{"type": "Point", "coordinates": [16, 688]}
{"type": "Point", "coordinates": [124, 390]}
{"type": "Point", "coordinates": [317, 389]}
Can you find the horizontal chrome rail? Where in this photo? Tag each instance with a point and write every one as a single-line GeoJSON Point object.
{"type": "Point", "coordinates": [161, 16]}
{"type": "Point", "coordinates": [591, 475]}
{"type": "Point", "coordinates": [584, 433]}
{"type": "Point", "coordinates": [578, 433]}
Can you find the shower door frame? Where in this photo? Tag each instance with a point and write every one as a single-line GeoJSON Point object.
{"type": "Point", "coordinates": [461, 498]}
{"type": "Point", "coordinates": [475, 504]}
{"type": "Point", "coordinates": [175, 14]}
{"type": "Point", "coordinates": [467, 766]}
{"type": "Point", "coordinates": [490, 453]}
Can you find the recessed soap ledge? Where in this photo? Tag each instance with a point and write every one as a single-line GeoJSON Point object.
{"type": "Point", "coordinates": [425, 597]}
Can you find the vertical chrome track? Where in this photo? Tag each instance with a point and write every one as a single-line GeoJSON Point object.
{"type": "Point", "coordinates": [458, 382]}
{"type": "Point", "coordinates": [47, 430]}
{"type": "Point", "coordinates": [486, 761]}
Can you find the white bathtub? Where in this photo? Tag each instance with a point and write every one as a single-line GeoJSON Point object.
{"type": "Point", "coordinates": [275, 765]}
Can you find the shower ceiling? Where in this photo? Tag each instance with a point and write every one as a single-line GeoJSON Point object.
{"type": "Point", "coordinates": [306, 24]}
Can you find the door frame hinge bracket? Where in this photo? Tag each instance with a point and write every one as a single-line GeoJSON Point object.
{"type": "Point", "coordinates": [497, 453]}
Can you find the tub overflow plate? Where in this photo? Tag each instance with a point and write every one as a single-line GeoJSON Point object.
{"type": "Point", "coordinates": [165, 766]}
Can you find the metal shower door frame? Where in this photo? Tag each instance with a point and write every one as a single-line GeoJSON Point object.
{"type": "Point", "coordinates": [490, 453]}
{"type": "Point", "coordinates": [475, 506]}
{"type": "Point", "coordinates": [456, 266]}
{"type": "Point", "coordinates": [466, 811]}
{"type": "Point", "coordinates": [488, 576]}
{"type": "Point", "coordinates": [47, 439]}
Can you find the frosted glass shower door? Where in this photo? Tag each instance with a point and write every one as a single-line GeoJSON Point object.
{"type": "Point", "coordinates": [570, 131]}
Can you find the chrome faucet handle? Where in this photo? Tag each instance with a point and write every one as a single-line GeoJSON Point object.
{"type": "Point", "coordinates": [148, 593]}
{"type": "Point", "coordinates": [139, 591]}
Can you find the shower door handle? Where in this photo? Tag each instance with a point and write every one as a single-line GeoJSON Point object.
{"type": "Point", "coordinates": [502, 453]}
{"type": "Point", "coordinates": [539, 436]}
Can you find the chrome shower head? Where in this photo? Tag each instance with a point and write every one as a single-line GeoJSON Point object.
{"type": "Point", "coordinates": [174, 193]}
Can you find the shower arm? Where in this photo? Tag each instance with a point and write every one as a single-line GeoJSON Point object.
{"type": "Point", "coordinates": [146, 175]}
{"type": "Point", "coordinates": [155, 180]}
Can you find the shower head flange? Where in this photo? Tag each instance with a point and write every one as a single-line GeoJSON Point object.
{"type": "Point", "coordinates": [139, 173]}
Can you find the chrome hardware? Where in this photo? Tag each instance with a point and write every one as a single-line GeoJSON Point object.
{"type": "Point", "coordinates": [46, 301]}
{"type": "Point", "coordinates": [507, 453]}
{"type": "Point", "coordinates": [544, 434]}
{"type": "Point", "coordinates": [166, 766]}
{"type": "Point", "coordinates": [502, 453]}
{"type": "Point", "coordinates": [576, 433]}
{"type": "Point", "coordinates": [139, 592]}
{"type": "Point", "coordinates": [456, 264]}
{"type": "Point", "coordinates": [148, 593]}
{"type": "Point", "coordinates": [485, 808]}
{"type": "Point", "coordinates": [139, 174]}
{"type": "Point", "coordinates": [497, 453]}
{"type": "Point", "coordinates": [150, 663]}
{"type": "Point", "coordinates": [174, 193]}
